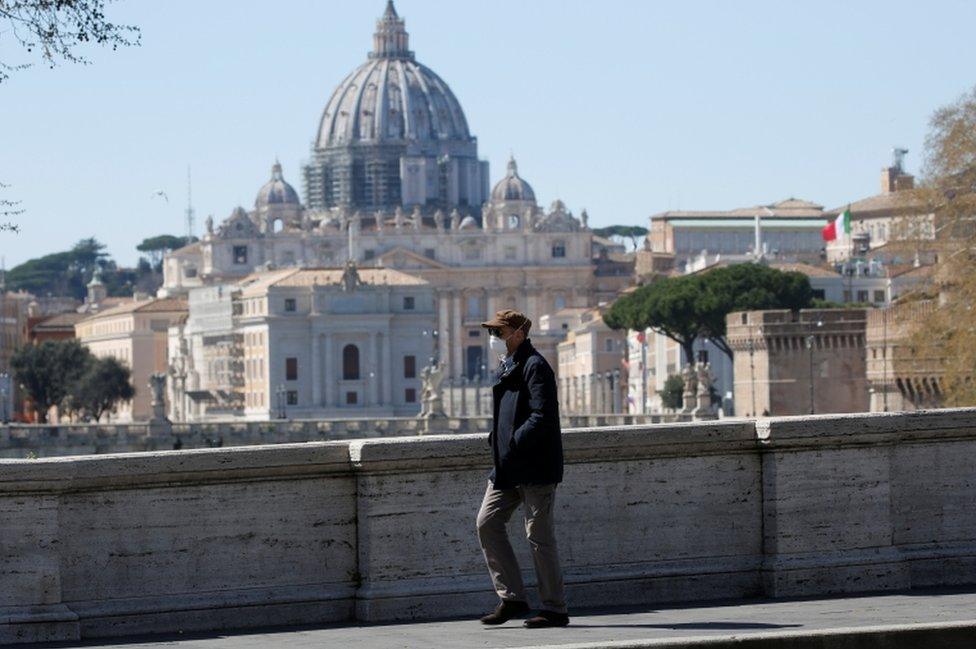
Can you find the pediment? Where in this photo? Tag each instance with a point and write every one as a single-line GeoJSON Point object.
{"type": "Point", "coordinates": [402, 258]}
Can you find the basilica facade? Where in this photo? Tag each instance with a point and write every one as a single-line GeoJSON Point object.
{"type": "Point", "coordinates": [395, 183]}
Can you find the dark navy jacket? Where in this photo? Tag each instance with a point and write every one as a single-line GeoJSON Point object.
{"type": "Point", "coordinates": [525, 437]}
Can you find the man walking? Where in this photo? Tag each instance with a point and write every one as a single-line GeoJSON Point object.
{"type": "Point", "coordinates": [528, 456]}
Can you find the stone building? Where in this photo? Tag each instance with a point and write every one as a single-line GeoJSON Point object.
{"type": "Point", "coordinates": [304, 343]}
{"type": "Point", "coordinates": [395, 183]}
{"type": "Point", "coordinates": [787, 231]}
{"type": "Point", "coordinates": [799, 363]}
{"type": "Point", "coordinates": [134, 333]}
{"type": "Point", "coordinates": [893, 216]}
{"type": "Point", "coordinates": [898, 379]}
{"type": "Point", "coordinates": [592, 377]}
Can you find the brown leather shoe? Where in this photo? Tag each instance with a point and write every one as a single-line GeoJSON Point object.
{"type": "Point", "coordinates": [546, 619]}
{"type": "Point", "coordinates": [505, 611]}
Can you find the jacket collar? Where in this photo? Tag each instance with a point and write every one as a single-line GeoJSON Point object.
{"type": "Point", "coordinates": [523, 351]}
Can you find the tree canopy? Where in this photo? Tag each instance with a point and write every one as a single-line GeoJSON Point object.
{"type": "Point", "coordinates": [104, 383]}
{"type": "Point", "coordinates": [47, 372]}
{"type": "Point", "coordinates": [632, 232]}
{"type": "Point", "coordinates": [944, 341]}
{"type": "Point", "coordinates": [58, 29]}
{"type": "Point", "coordinates": [159, 245]}
{"type": "Point", "coordinates": [687, 307]}
{"type": "Point", "coordinates": [66, 374]}
{"type": "Point", "coordinates": [60, 273]}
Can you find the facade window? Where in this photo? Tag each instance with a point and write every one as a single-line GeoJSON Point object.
{"type": "Point", "coordinates": [352, 398]}
{"type": "Point", "coordinates": [511, 252]}
{"type": "Point", "coordinates": [472, 252]}
{"type": "Point", "coordinates": [410, 395]}
{"type": "Point", "coordinates": [474, 306]}
{"type": "Point", "coordinates": [190, 272]}
{"type": "Point", "coordinates": [558, 249]}
{"type": "Point", "coordinates": [608, 344]}
{"type": "Point", "coordinates": [408, 303]}
{"type": "Point", "coordinates": [862, 296]}
{"type": "Point", "coordinates": [847, 295]}
{"type": "Point", "coordinates": [240, 254]}
{"type": "Point", "coordinates": [559, 302]}
{"type": "Point", "coordinates": [879, 296]}
{"type": "Point", "coordinates": [368, 254]}
{"type": "Point", "coordinates": [474, 333]}
{"type": "Point", "coordinates": [818, 294]}
{"type": "Point", "coordinates": [291, 397]}
{"type": "Point", "coordinates": [430, 253]}
{"type": "Point", "coordinates": [350, 363]}
{"type": "Point", "coordinates": [513, 221]}
{"type": "Point", "coordinates": [409, 367]}
{"type": "Point", "coordinates": [291, 369]}
{"type": "Point", "coordinates": [290, 304]}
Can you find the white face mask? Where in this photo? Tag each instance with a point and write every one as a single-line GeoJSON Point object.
{"type": "Point", "coordinates": [498, 347]}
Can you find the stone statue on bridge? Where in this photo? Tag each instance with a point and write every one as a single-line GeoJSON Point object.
{"type": "Point", "coordinates": [431, 402]}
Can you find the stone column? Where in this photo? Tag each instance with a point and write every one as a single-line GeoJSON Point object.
{"type": "Point", "coordinates": [388, 369]}
{"type": "Point", "coordinates": [371, 366]}
{"type": "Point", "coordinates": [443, 327]}
{"type": "Point", "coordinates": [316, 369]}
{"type": "Point", "coordinates": [456, 367]}
{"type": "Point", "coordinates": [330, 373]}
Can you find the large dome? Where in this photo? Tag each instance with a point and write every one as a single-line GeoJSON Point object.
{"type": "Point", "coordinates": [391, 97]}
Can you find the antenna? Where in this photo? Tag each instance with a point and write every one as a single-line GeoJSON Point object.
{"type": "Point", "coordinates": [189, 206]}
{"type": "Point", "coordinates": [898, 157]}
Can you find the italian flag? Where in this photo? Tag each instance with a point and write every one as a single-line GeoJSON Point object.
{"type": "Point", "coordinates": [839, 226]}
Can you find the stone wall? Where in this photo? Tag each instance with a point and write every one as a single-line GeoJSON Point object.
{"type": "Point", "coordinates": [35, 440]}
{"type": "Point", "coordinates": [383, 529]}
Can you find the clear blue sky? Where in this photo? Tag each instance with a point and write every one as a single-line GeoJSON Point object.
{"type": "Point", "coordinates": [624, 108]}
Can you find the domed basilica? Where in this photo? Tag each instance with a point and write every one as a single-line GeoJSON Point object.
{"type": "Point", "coordinates": [394, 181]}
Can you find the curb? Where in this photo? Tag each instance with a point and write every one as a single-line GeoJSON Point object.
{"type": "Point", "coordinates": [943, 635]}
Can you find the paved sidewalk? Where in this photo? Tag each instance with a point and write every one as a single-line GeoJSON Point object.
{"type": "Point", "coordinates": [779, 622]}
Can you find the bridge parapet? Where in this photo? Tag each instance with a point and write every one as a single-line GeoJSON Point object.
{"type": "Point", "coordinates": [383, 529]}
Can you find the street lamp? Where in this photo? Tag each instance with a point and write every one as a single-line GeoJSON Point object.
{"type": "Point", "coordinates": [280, 399]}
{"type": "Point", "coordinates": [811, 338]}
{"type": "Point", "coordinates": [884, 357]}
{"type": "Point", "coordinates": [615, 392]}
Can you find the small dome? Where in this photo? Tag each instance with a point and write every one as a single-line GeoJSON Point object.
{"type": "Point", "coordinates": [276, 191]}
{"type": "Point", "coordinates": [467, 223]}
{"type": "Point", "coordinates": [512, 187]}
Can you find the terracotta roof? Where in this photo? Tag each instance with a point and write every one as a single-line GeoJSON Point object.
{"type": "Point", "coordinates": [152, 305]}
{"type": "Point", "coordinates": [258, 283]}
{"type": "Point", "coordinates": [807, 269]}
{"type": "Point", "coordinates": [60, 321]}
{"type": "Point", "coordinates": [892, 203]}
{"type": "Point", "coordinates": [789, 208]}
{"type": "Point", "coordinates": [910, 270]}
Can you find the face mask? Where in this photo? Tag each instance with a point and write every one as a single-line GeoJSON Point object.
{"type": "Point", "coordinates": [498, 347]}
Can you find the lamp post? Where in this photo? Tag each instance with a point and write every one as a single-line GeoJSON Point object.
{"type": "Point", "coordinates": [615, 392]}
{"type": "Point", "coordinates": [280, 400]}
{"type": "Point", "coordinates": [884, 357]}
{"type": "Point", "coordinates": [811, 339]}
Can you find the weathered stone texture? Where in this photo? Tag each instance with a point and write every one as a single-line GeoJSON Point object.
{"type": "Point", "coordinates": [383, 529]}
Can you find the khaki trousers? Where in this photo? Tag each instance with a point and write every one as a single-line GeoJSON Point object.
{"type": "Point", "coordinates": [496, 510]}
